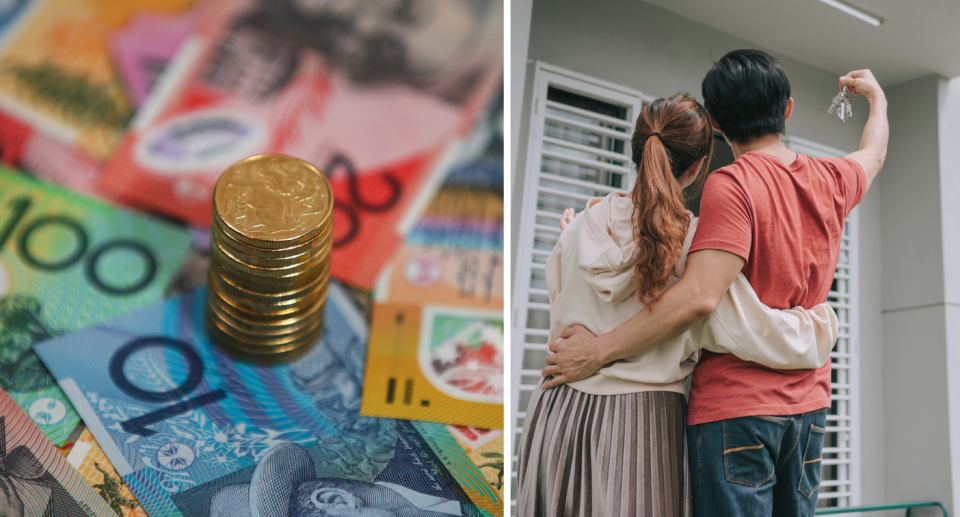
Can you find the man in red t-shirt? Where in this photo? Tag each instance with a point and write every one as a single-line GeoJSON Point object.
{"type": "Point", "coordinates": [754, 434]}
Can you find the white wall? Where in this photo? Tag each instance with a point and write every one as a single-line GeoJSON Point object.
{"type": "Point", "coordinates": [520, 13]}
{"type": "Point", "coordinates": [641, 46]}
{"type": "Point", "coordinates": [916, 402]}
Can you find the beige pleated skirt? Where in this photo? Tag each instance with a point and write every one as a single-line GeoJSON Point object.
{"type": "Point", "coordinates": [584, 455]}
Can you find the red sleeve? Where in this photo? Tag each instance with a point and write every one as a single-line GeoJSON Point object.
{"type": "Point", "coordinates": [726, 221]}
{"type": "Point", "coordinates": [854, 181]}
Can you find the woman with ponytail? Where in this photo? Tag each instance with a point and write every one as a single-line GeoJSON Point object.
{"type": "Point", "coordinates": [614, 444]}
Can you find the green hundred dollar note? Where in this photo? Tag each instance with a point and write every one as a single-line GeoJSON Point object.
{"type": "Point", "coordinates": [68, 262]}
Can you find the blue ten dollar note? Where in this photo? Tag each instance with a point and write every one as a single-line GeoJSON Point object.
{"type": "Point", "coordinates": [194, 432]}
{"type": "Point", "coordinates": [68, 262]}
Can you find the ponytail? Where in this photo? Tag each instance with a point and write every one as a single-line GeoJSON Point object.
{"type": "Point", "coordinates": [670, 136]}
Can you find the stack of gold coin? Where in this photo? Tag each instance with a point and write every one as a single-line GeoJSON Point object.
{"type": "Point", "coordinates": [269, 257]}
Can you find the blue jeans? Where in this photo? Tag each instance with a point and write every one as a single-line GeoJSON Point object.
{"type": "Point", "coordinates": [757, 465]}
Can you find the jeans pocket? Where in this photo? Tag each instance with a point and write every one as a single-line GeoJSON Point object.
{"type": "Point", "coordinates": [812, 461]}
{"type": "Point", "coordinates": [750, 447]}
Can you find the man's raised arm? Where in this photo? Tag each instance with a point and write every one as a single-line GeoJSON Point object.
{"type": "Point", "coordinates": [873, 144]}
{"type": "Point", "coordinates": [707, 277]}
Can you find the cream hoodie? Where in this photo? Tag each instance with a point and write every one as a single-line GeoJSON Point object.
{"type": "Point", "coordinates": [592, 282]}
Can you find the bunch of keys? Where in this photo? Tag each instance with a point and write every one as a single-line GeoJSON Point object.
{"type": "Point", "coordinates": [842, 104]}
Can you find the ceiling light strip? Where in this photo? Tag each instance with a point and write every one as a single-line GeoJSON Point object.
{"type": "Point", "coordinates": [853, 11]}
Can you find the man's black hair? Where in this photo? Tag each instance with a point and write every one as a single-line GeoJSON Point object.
{"type": "Point", "coordinates": [746, 93]}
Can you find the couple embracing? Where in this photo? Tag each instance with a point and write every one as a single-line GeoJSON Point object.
{"type": "Point", "coordinates": [644, 298]}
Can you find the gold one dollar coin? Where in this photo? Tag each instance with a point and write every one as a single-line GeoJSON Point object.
{"type": "Point", "coordinates": [273, 201]}
{"type": "Point", "coordinates": [271, 239]}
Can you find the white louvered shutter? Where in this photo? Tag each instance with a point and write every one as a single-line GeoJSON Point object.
{"type": "Point", "coordinates": [579, 148]}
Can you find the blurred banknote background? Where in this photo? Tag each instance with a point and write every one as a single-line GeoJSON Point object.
{"type": "Point", "coordinates": [116, 119]}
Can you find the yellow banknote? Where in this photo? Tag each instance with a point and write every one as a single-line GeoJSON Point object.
{"type": "Point", "coordinates": [436, 364]}
{"type": "Point", "coordinates": [56, 73]}
{"type": "Point", "coordinates": [87, 457]}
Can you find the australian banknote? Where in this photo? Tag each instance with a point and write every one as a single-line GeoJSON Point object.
{"type": "Point", "coordinates": [194, 432]}
{"type": "Point", "coordinates": [88, 458]}
{"type": "Point", "coordinates": [57, 74]}
{"type": "Point", "coordinates": [67, 262]}
{"type": "Point", "coordinates": [435, 363]}
{"type": "Point", "coordinates": [436, 346]}
{"type": "Point", "coordinates": [454, 253]}
{"type": "Point", "coordinates": [485, 449]}
{"type": "Point", "coordinates": [377, 97]}
{"type": "Point", "coordinates": [62, 109]}
{"type": "Point", "coordinates": [35, 479]}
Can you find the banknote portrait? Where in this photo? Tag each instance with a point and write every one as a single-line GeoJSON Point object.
{"type": "Point", "coordinates": [388, 41]}
{"type": "Point", "coordinates": [346, 497]}
{"type": "Point", "coordinates": [283, 484]}
{"type": "Point", "coordinates": [26, 488]}
{"type": "Point", "coordinates": [35, 478]}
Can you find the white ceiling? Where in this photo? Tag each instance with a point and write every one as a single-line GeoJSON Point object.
{"type": "Point", "coordinates": [918, 37]}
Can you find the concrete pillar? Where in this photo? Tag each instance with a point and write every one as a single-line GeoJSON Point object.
{"type": "Point", "coordinates": [917, 416]}
{"type": "Point", "coordinates": [949, 140]}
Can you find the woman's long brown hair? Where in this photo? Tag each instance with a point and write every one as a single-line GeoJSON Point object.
{"type": "Point", "coordinates": [659, 218]}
